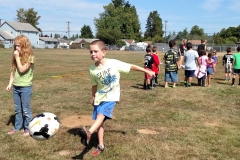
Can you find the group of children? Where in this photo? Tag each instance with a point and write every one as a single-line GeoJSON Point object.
{"type": "Point", "coordinates": [105, 78]}
{"type": "Point", "coordinates": [197, 64]}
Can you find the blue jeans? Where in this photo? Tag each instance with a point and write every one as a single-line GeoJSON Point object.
{"type": "Point", "coordinates": [23, 113]}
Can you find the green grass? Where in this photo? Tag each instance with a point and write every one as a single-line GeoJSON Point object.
{"type": "Point", "coordinates": [191, 123]}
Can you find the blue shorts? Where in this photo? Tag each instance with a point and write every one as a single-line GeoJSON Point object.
{"type": "Point", "coordinates": [105, 108]}
{"type": "Point", "coordinates": [209, 70]}
{"type": "Point", "coordinates": [189, 73]}
{"type": "Point", "coordinates": [171, 75]}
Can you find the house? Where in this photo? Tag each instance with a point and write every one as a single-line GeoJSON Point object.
{"type": "Point", "coordinates": [195, 43]}
{"type": "Point", "coordinates": [9, 30]}
{"type": "Point", "coordinates": [63, 43]}
{"type": "Point", "coordinates": [129, 44]}
{"type": "Point", "coordinates": [6, 39]}
{"type": "Point", "coordinates": [48, 42]}
{"type": "Point", "coordinates": [81, 42]}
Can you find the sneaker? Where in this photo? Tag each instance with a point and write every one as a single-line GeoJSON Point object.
{"type": "Point", "coordinates": [157, 84]}
{"type": "Point", "coordinates": [11, 131]}
{"type": "Point", "coordinates": [26, 133]}
{"type": "Point", "coordinates": [86, 136]}
{"type": "Point", "coordinates": [98, 150]}
{"type": "Point", "coordinates": [232, 85]}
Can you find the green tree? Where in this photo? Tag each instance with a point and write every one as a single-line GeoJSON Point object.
{"type": "Point", "coordinates": [86, 32]}
{"type": "Point", "coordinates": [28, 16]}
{"type": "Point", "coordinates": [197, 31]}
{"type": "Point", "coordinates": [154, 27]}
{"type": "Point", "coordinates": [182, 34]}
{"type": "Point", "coordinates": [56, 35]}
{"type": "Point", "coordinates": [120, 43]}
{"type": "Point", "coordinates": [118, 21]}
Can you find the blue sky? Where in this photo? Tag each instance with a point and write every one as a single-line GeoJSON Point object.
{"type": "Point", "coordinates": [211, 15]}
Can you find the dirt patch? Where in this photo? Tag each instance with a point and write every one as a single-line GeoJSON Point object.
{"type": "Point", "coordinates": [76, 121]}
{"type": "Point", "coordinates": [212, 124]}
{"type": "Point", "coordinates": [63, 152]}
{"type": "Point", "coordinates": [147, 131]}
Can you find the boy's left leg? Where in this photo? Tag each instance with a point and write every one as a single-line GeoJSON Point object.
{"type": "Point", "coordinates": [95, 126]}
{"type": "Point", "coordinates": [101, 145]}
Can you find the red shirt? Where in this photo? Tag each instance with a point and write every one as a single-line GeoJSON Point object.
{"type": "Point", "coordinates": [156, 63]}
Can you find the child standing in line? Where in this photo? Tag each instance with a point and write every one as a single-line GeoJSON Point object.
{"type": "Point", "coordinates": [21, 78]}
{"type": "Point", "coordinates": [148, 65]}
{"type": "Point", "coordinates": [203, 66]}
{"type": "Point", "coordinates": [215, 58]}
{"type": "Point", "coordinates": [236, 66]}
{"type": "Point", "coordinates": [227, 61]}
{"type": "Point", "coordinates": [105, 77]}
{"type": "Point", "coordinates": [171, 64]}
{"type": "Point", "coordinates": [191, 60]}
{"type": "Point", "coordinates": [156, 64]}
{"type": "Point", "coordinates": [210, 67]}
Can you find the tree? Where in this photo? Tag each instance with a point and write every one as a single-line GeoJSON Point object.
{"type": "Point", "coordinates": [118, 21]}
{"type": "Point", "coordinates": [182, 35]}
{"type": "Point", "coordinates": [86, 32]}
{"type": "Point", "coordinates": [28, 16]}
{"type": "Point", "coordinates": [120, 43]}
{"type": "Point", "coordinates": [154, 27]}
{"type": "Point", "coordinates": [197, 31]}
{"type": "Point", "coordinates": [56, 35]}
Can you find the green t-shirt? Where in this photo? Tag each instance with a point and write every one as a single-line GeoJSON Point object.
{"type": "Point", "coordinates": [23, 79]}
{"type": "Point", "coordinates": [236, 58]}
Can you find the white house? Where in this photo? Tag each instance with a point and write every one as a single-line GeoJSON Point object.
{"type": "Point", "coordinates": [48, 42]}
{"type": "Point", "coordinates": [9, 30]}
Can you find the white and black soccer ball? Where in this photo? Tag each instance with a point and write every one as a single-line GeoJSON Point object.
{"type": "Point", "coordinates": [44, 126]}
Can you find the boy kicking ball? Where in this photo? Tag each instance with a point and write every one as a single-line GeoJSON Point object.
{"type": "Point", "coordinates": [105, 77]}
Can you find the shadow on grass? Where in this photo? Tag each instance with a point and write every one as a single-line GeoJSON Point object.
{"type": "Point", "coordinates": [93, 142]}
{"type": "Point", "coordinates": [11, 120]}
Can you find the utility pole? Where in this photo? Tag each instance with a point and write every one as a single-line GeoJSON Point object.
{"type": "Point", "coordinates": [68, 30]}
{"type": "Point", "coordinates": [166, 30]}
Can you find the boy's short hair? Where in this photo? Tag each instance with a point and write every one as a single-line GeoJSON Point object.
{"type": "Point", "coordinates": [189, 45]}
{"type": "Point", "coordinates": [100, 44]}
{"type": "Point", "coordinates": [229, 49]}
{"type": "Point", "coordinates": [154, 49]}
{"type": "Point", "coordinates": [149, 49]}
{"type": "Point", "coordinates": [238, 48]}
{"type": "Point", "coordinates": [171, 43]}
{"type": "Point", "coordinates": [202, 40]}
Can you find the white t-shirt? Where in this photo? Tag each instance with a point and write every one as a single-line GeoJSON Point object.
{"type": "Point", "coordinates": [190, 59]}
{"type": "Point", "coordinates": [107, 80]}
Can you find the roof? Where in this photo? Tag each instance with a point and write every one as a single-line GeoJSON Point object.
{"type": "Point", "coordinates": [19, 26]}
{"type": "Point", "coordinates": [6, 35]}
{"type": "Point", "coordinates": [129, 41]}
{"type": "Point", "coordinates": [77, 40]}
{"type": "Point", "coordinates": [195, 42]}
{"type": "Point", "coordinates": [148, 42]}
{"type": "Point", "coordinates": [48, 39]}
{"type": "Point", "coordinates": [88, 40]}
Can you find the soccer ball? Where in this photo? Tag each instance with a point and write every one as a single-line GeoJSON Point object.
{"type": "Point", "coordinates": [44, 126]}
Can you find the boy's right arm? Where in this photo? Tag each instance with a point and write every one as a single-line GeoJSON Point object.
{"type": "Point", "coordinates": [94, 90]}
{"type": "Point", "coordinates": [10, 82]}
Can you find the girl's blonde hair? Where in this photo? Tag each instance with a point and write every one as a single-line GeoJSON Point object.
{"type": "Point", "coordinates": [26, 50]}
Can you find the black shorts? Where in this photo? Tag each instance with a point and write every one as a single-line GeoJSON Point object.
{"type": "Point", "coordinates": [236, 71]}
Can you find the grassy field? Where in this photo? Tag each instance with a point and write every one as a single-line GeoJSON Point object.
{"type": "Point", "coordinates": [165, 123]}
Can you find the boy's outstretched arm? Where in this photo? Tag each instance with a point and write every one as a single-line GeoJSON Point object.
{"type": "Point", "coordinates": [138, 68]}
